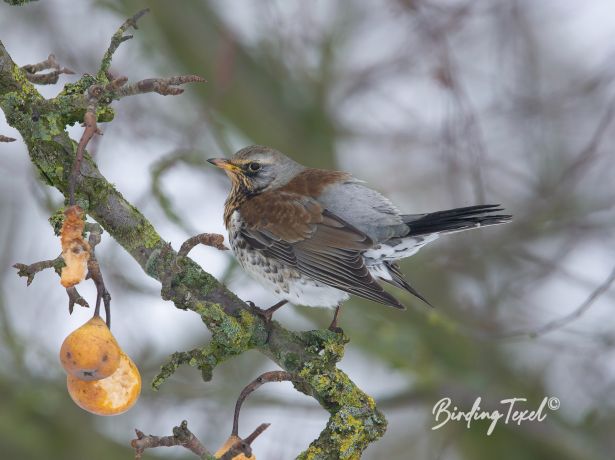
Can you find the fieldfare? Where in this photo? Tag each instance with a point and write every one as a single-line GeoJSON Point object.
{"type": "Point", "coordinates": [315, 236]}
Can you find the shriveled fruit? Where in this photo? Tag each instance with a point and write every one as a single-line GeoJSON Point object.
{"type": "Point", "coordinates": [90, 352]}
{"type": "Point", "coordinates": [111, 396]}
{"type": "Point", "coordinates": [75, 250]}
{"type": "Point", "coordinates": [227, 445]}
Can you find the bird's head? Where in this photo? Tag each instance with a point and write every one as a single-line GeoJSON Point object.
{"type": "Point", "coordinates": [256, 169]}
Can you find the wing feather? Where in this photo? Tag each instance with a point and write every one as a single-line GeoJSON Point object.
{"type": "Point", "coordinates": [297, 231]}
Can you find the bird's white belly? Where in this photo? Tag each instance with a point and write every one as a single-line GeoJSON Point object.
{"type": "Point", "coordinates": [311, 293]}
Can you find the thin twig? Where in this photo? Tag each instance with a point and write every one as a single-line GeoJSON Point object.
{"type": "Point", "coordinates": [117, 39]}
{"type": "Point", "coordinates": [165, 86]}
{"type": "Point", "coordinates": [272, 376]}
{"type": "Point", "coordinates": [256, 433]}
{"type": "Point", "coordinates": [30, 270]}
{"type": "Point", "coordinates": [75, 298]}
{"type": "Point", "coordinates": [95, 274]}
{"type": "Point", "coordinates": [89, 121]}
{"type": "Point", "coordinates": [244, 446]}
{"type": "Point", "coordinates": [182, 436]}
{"type": "Point", "coordinates": [49, 78]}
{"type": "Point", "coordinates": [214, 240]}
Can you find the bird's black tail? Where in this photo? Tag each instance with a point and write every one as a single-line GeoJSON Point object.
{"type": "Point", "coordinates": [455, 220]}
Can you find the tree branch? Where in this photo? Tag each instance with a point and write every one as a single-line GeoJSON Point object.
{"type": "Point", "coordinates": [28, 271]}
{"type": "Point", "coordinates": [182, 436]}
{"type": "Point", "coordinates": [208, 239]}
{"type": "Point", "coordinates": [117, 39]}
{"type": "Point", "coordinates": [49, 78]}
{"type": "Point", "coordinates": [309, 356]}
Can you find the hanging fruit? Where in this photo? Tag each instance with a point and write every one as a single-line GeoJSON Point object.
{"type": "Point", "coordinates": [90, 352]}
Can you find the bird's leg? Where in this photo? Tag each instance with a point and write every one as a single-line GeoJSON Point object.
{"type": "Point", "coordinates": [333, 326]}
{"type": "Point", "coordinates": [268, 312]}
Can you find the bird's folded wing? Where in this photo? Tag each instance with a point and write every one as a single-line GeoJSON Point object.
{"type": "Point", "coordinates": [297, 231]}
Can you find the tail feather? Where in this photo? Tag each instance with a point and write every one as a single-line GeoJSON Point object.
{"type": "Point", "coordinates": [398, 280]}
{"type": "Point", "coordinates": [454, 220]}
{"type": "Point", "coordinates": [423, 229]}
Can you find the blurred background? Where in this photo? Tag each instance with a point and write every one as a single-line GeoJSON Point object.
{"type": "Point", "coordinates": [436, 103]}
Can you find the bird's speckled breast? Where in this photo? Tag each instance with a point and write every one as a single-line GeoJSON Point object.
{"type": "Point", "coordinates": [255, 263]}
{"type": "Point", "coordinates": [284, 280]}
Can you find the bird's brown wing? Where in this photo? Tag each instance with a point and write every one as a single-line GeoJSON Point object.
{"type": "Point", "coordinates": [297, 231]}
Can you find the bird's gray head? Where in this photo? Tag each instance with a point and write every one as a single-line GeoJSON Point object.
{"type": "Point", "coordinates": [256, 169]}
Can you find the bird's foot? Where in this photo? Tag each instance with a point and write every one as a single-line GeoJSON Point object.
{"type": "Point", "coordinates": [267, 313]}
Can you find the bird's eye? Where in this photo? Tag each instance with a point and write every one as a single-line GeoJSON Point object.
{"type": "Point", "coordinates": [254, 166]}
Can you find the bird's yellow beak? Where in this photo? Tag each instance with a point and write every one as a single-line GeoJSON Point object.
{"type": "Point", "coordinates": [225, 164]}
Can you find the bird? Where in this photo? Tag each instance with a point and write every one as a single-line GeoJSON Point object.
{"type": "Point", "coordinates": [315, 236]}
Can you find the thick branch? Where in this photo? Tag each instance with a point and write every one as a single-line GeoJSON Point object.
{"type": "Point", "coordinates": [354, 422]}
